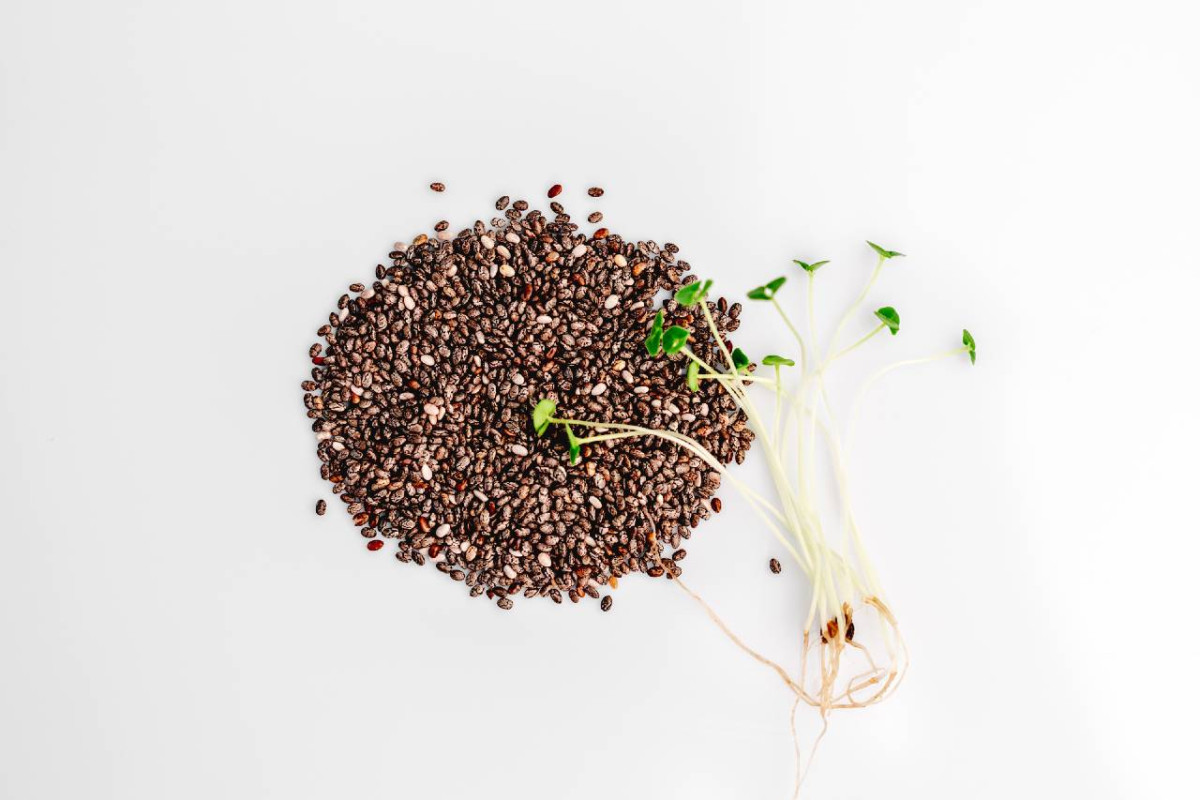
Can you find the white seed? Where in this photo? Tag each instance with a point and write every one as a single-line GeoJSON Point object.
{"type": "Point", "coordinates": [368, 294]}
{"type": "Point", "coordinates": [442, 530]}
{"type": "Point", "coordinates": [519, 450]}
{"type": "Point", "coordinates": [595, 501]}
{"type": "Point", "coordinates": [542, 319]}
{"type": "Point", "coordinates": [619, 260]}
{"type": "Point", "coordinates": [408, 303]}
{"type": "Point", "coordinates": [637, 305]}
{"type": "Point", "coordinates": [502, 251]}
{"type": "Point", "coordinates": [431, 409]}
{"type": "Point", "coordinates": [487, 242]}
{"type": "Point", "coordinates": [402, 289]}
{"type": "Point", "coordinates": [427, 360]}
{"type": "Point", "coordinates": [518, 379]}
{"type": "Point", "coordinates": [619, 364]}
{"type": "Point", "coordinates": [641, 389]}
{"type": "Point", "coordinates": [544, 559]}
{"type": "Point", "coordinates": [345, 312]}
{"type": "Point", "coordinates": [472, 551]}
{"type": "Point", "coordinates": [405, 396]}
{"type": "Point", "coordinates": [452, 271]}
{"type": "Point", "coordinates": [589, 541]}
{"type": "Point", "coordinates": [506, 271]}
{"type": "Point", "coordinates": [674, 409]}
{"type": "Point", "coordinates": [426, 472]}
{"type": "Point", "coordinates": [323, 435]}
{"type": "Point", "coordinates": [480, 496]}
{"type": "Point", "coordinates": [627, 376]}
{"type": "Point", "coordinates": [611, 301]}
{"type": "Point", "coordinates": [512, 237]}
{"type": "Point", "coordinates": [579, 250]}
{"type": "Point", "coordinates": [338, 446]}
{"type": "Point", "coordinates": [688, 417]}
{"type": "Point", "coordinates": [599, 388]}
{"type": "Point", "coordinates": [509, 572]}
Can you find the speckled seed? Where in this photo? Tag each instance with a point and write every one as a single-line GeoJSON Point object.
{"type": "Point", "coordinates": [611, 301]}
{"type": "Point", "coordinates": [320, 508]}
{"type": "Point", "coordinates": [438, 186]}
{"type": "Point", "coordinates": [519, 450]}
{"type": "Point", "coordinates": [505, 604]}
{"type": "Point", "coordinates": [595, 217]}
{"type": "Point", "coordinates": [775, 566]}
{"type": "Point", "coordinates": [441, 226]}
{"type": "Point", "coordinates": [595, 191]}
{"type": "Point", "coordinates": [606, 602]}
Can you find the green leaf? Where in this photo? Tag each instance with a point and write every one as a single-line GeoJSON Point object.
{"type": "Point", "coordinates": [674, 339]}
{"type": "Point", "coordinates": [777, 361]}
{"type": "Point", "coordinates": [542, 413]}
{"type": "Point", "coordinates": [693, 293]}
{"type": "Point", "coordinates": [969, 342]}
{"type": "Point", "coordinates": [572, 445]}
{"type": "Point", "coordinates": [888, 316]}
{"type": "Point", "coordinates": [884, 254]}
{"type": "Point", "coordinates": [654, 340]}
{"type": "Point", "coordinates": [809, 267]}
{"type": "Point", "coordinates": [693, 376]}
{"type": "Point", "coordinates": [740, 359]}
{"type": "Point", "coordinates": [768, 291]}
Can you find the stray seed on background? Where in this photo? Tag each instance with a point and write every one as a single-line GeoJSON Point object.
{"type": "Point", "coordinates": [375, 544]}
{"type": "Point", "coordinates": [441, 226]}
{"type": "Point", "coordinates": [775, 566]}
{"type": "Point", "coordinates": [321, 508]}
{"type": "Point", "coordinates": [595, 217]}
{"type": "Point", "coordinates": [438, 186]}
{"type": "Point", "coordinates": [555, 190]}
{"type": "Point", "coordinates": [606, 602]}
{"type": "Point", "coordinates": [595, 191]}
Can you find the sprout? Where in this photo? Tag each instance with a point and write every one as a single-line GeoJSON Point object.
{"type": "Point", "coordinates": [572, 445]}
{"type": "Point", "coordinates": [767, 291]}
{"type": "Point", "coordinates": [888, 316]}
{"type": "Point", "coordinates": [884, 254]}
{"type": "Point", "coordinates": [654, 340]}
{"type": "Point", "coordinates": [969, 344]}
{"type": "Point", "coordinates": [693, 376]}
{"type": "Point", "coordinates": [542, 413]}
{"type": "Point", "coordinates": [740, 359]}
{"type": "Point", "coordinates": [777, 361]}
{"type": "Point", "coordinates": [674, 339]}
{"type": "Point", "coordinates": [810, 268]}
{"type": "Point", "coordinates": [693, 293]}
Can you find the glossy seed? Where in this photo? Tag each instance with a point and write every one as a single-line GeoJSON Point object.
{"type": "Point", "coordinates": [555, 190]}
{"type": "Point", "coordinates": [438, 186]}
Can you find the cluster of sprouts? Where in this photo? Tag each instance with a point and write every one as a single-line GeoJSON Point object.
{"type": "Point", "coordinates": [852, 653]}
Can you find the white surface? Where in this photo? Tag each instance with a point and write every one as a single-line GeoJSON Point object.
{"type": "Point", "coordinates": [186, 187]}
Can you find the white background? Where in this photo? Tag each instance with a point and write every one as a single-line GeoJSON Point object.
{"type": "Point", "coordinates": [185, 189]}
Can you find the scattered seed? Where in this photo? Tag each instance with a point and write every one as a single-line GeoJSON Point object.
{"type": "Point", "coordinates": [375, 544]}
{"type": "Point", "coordinates": [437, 186]}
{"type": "Point", "coordinates": [555, 190]}
{"type": "Point", "coordinates": [320, 508]}
{"type": "Point", "coordinates": [716, 505]}
{"type": "Point", "coordinates": [775, 566]}
{"type": "Point", "coordinates": [595, 191]}
{"type": "Point", "coordinates": [502, 203]}
{"type": "Point", "coordinates": [595, 217]}
{"type": "Point", "coordinates": [441, 226]}
{"type": "Point", "coordinates": [606, 602]}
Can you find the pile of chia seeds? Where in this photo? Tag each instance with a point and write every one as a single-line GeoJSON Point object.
{"type": "Point", "coordinates": [422, 389]}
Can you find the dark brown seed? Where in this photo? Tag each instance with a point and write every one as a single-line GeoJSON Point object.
{"type": "Point", "coordinates": [775, 566]}
{"type": "Point", "coordinates": [520, 205]}
{"type": "Point", "coordinates": [438, 186]}
{"type": "Point", "coordinates": [555, 190]}
{"type": "Point", "coordinates": [595, 191]}
{"type": "Point", "coordinates": [595, 217]}
{"type": "Point", "coordinates": [321, 508]}
{"type": "Point", "coordinates": [557, 208]}
{"type": "Point", "coordinates": [679, 555]}
{"type": "Point", "coordinates": [441, 226]}
{"type": "Point", "coordinates": [375, 544]}
{"type": "Point", "coordinates": [606, 602]}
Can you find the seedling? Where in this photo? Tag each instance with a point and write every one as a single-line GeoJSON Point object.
{"type": "Point", "coordinates": [850, 627]}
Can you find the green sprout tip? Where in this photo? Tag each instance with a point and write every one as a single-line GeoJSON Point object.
{"type": "Point", "coordinates": [888, 316]}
